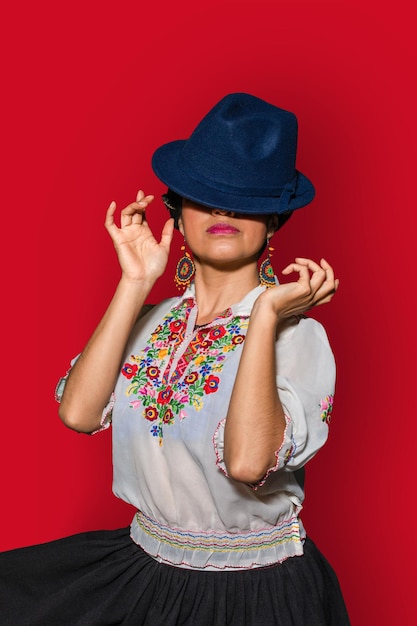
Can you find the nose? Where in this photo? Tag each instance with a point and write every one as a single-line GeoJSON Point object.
{"type": "Point", "coordinates": [223, 212]}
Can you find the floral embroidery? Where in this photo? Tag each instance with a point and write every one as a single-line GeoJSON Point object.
{"type": "Point", "coordinates": [326, 407]}
{"type": "Point", "coordinates": [212, 384]}
{"type": "Point", "coordinates": [290, 453]}
{"type": "Point", "coordinates": [164, 390]}
{"type": "Point", "coordinates": [129, 370]}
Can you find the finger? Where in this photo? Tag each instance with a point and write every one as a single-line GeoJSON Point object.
{"type": "Point", "coordinates": [331, 281]}
{"type": "Point", "coordinates": [137, 206]}
{"type": "Point", "coordinates": [128, 212]}
{"type": "Point", "coordinates": [312, 265]}
{"type": "Point", "coordinates": [297, 267]}
{"type": "Point", "coordinates": [330, 273]}
{"type": "Point", "coordinates": [134, 212]}
{"type": "Point", "coordinates": [109, 221]}
{"type": "Point", "coordinates": [167, 234]}
{"type": "Point", "coordinates": [325, 299]}
{"type": "Point", "coordinates": [329, 287]}
{"type": "Point", "coordinates": [140, 197]}
{"type": "Point", "coordinates": [327, 268]}
{"type": "Point", "coordinates": [320, 275]}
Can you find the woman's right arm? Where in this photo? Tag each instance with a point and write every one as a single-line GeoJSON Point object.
{"type": "Point", "coordinates": [142, 260]}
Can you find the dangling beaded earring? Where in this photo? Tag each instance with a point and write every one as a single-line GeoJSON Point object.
{"type": "Point", "coordinates": [185, 270]}
{"type": "Point", "coordinates": [266, 271]}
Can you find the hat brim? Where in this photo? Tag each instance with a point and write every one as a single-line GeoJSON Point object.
{"type": "Point", "coordinates": [166, 165]}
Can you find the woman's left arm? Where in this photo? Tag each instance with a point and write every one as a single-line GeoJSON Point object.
{"type": "Point", "coordinates": [255, 424]}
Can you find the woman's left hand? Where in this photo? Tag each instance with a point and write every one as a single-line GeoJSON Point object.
{"type": "Point", "coordinates": [316, 285]}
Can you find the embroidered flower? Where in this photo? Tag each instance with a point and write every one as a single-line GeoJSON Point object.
{"type": "Point", "coordinates": [191, 378]}
{"type": "Point", "coordinates": [150, 413]}
{"type": "Point", "coordinates": [129, 370]}
{"type": "Point", "coordinates": [206, 369]}
{"type": "Point", "coordinates": [181, 397]}
{"type": "Point", "coordinates": [168, 417]}
{"type": "Point", "coordinates": [177, 326]}
{"type": "Point", "coordinates": [326, 407]}
{"type": "Point", "coordinates": [155, 430]}
{"type": "Point", "coordinates": [153, 372]}
{"type": "Point", "coordinates": [197, 404]}
{"type": "Point", "coordinates": [212, 384]}
{"type": "Point", "coordinates": [238, 339]}
{"type": "Point", "coordinates": [290, 452]}
{"type": "Point", "coordinates": [162, 353]}
{"type": "Point", "coordinates": [164, 396]}
{"type": "Point", "coordinates": [205, 344]}
{"type": "Point", "coordinates": [217, 332]}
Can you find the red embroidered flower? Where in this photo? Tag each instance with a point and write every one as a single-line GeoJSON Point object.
{"type": "Point", "coordinates": [217, 332]}
{"type": "Point", "coordinates": [129, 370]}
{"type": "Point", "coordinates": [177, 326]}
{"type": "Point", "coordinates": [205, 343]}
{"type": "Point", "coordinates": [164, 396]}
{"type": "Point", "coordinates": [152, 371]}
{"type": "Point", "coordinates": [191, 378]}
{"type": "Point", "coordinates": [238, 339]}
{"type": "Point", "coordinates": [211, 384]}
{"type": "Point", "coordinates": [150, 413]}
{"type": "Point", "coordinates": [168, 417]}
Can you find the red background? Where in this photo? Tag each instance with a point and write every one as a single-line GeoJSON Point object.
{"type": "Point", "coordinates": [89, 93]}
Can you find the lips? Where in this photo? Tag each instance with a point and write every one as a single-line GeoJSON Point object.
{"type": "Point", "coordinates": [222, 229]}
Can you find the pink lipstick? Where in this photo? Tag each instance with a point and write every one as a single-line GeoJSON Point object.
{"type": "Point", "coordinates": [222, 229]}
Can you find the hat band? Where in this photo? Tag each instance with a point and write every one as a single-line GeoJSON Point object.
{"type": "Point", "coordinates": [261, 192]}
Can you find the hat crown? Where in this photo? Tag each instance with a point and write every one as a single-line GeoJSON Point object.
{"type": "Point", "coordinates": [240, 157]}
{"type": "Point", "coordinates": [244, 141]}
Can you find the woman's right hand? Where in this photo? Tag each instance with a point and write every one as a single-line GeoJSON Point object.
{"type": "Point", "coordinates": [140, 256]}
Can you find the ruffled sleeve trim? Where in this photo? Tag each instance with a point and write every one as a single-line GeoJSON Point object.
{"type": "Point", "coordinates": [106, 415]}
{"type": "Point", "coordinates": [282, 455]}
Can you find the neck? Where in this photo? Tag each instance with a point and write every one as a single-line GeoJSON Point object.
{"type": "Point", "coordinates": [217, 289]}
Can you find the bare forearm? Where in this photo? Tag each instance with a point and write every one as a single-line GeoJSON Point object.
{"type": "Point", "coordinates": [93, 376]}
{"type": "Point", "coordinates": [255, 421]}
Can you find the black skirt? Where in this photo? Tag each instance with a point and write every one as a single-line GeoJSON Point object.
{"type": "Point", "coordinates": [103, 578]}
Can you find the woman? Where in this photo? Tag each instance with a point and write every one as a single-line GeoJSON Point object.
{"type": "Point", "coordinates": [217, 400]}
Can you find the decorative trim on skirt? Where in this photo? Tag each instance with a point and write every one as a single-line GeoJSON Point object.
{"type": "Point", "coordinates": [103, 578]}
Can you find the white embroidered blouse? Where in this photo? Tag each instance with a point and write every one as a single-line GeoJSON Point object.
{"type": "Point", "coordinates": [168, 412]}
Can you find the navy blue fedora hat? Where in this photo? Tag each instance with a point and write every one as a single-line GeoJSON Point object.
{"type": "Point", "coordinates": [240, 157]}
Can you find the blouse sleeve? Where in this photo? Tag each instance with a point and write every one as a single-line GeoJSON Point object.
{"type": "Point", "coordinates": [106, 415]}
{"type": "Point", "coordinates": [306, 377]}
{"type": "Point", "coordinates": [306, 384]}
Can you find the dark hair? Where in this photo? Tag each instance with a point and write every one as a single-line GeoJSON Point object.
{"type": "Point", "coordinates": [173, 202]}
